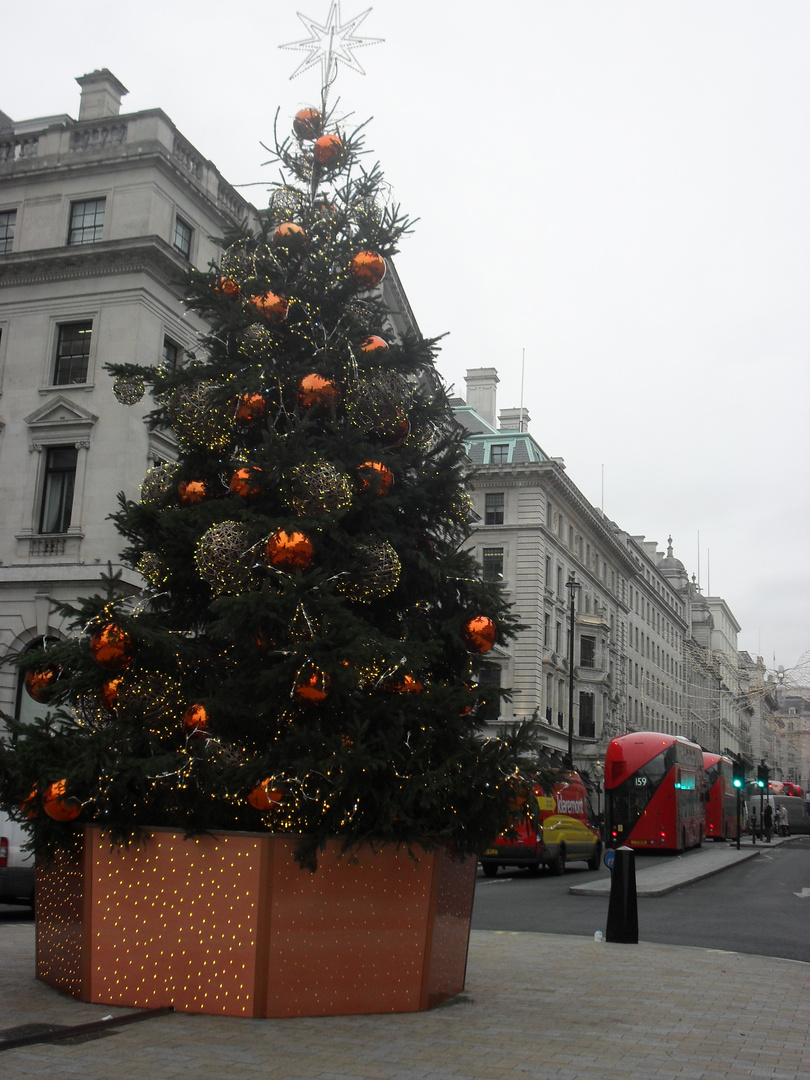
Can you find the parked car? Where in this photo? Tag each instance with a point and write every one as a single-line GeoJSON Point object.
{"type": "Point", "coordinates": [551, 830]}
{"type": "Point", "coordinates": [16, 865]}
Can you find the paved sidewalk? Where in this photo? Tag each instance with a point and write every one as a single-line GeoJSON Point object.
{"type": "Point", "coordinates": [711, 858]}
{"type": "Point", "coordinates": [542, 1006]}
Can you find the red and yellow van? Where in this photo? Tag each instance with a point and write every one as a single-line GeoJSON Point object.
{"type": "Point", "coordinates": [552, 830]}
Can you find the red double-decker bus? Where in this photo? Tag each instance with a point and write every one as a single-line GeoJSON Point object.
{"type": "Point", "coordinates": [654, 792]}
{"type": "Point", "coordinates": [719, 798]}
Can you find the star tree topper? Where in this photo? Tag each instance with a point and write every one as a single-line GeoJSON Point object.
{"type": "Point", "coordinates": [331, 44]}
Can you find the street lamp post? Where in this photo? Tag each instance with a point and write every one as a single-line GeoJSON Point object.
{"type": "Point", "coordinates": [574, 586]}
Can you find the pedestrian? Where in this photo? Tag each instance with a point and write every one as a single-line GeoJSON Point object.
{"type": "Point", "coordinates": [767, 817]}
{"type": "Point", "coordinates": [783, 821]}
{"type": "Point", "coordinates": [753, 824]}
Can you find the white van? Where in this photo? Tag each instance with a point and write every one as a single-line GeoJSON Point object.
{"type": "Point", "coordinates": [798, 815]}
{"type": "Point", "coordinates": [16, 865]}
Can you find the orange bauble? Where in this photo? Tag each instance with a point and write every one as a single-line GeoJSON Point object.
{"type": "Point", "coordinates": [307, 123]}
{"type": "Point", "coordinates": [367, 268]}
{"type": "Point", "coordinates": [290, 236]}
{"type": "Point", "coordinates": [195, 719]}
{"type": "Point", "coordinates": [479, 634]}
{"type": "Point", "coordinates": [56, 803]}
{"type": "Point", "coordinates": [190, 492]}
{"type": "Point", "coordinates": [271, 305]}
{"type": "Point", "coordinates": [328, 150]}
{"type": "Point", "coordinates": [246, 483]}
{"type": "Point", "coordinates": [378, 477]}
{"type": "Point", "coordinates": [314, 391]}
{"type": "Point", "coordinates": [407, 684]}
{"type": "Point", "coordinates": [312, 686]}
{"type": "Point", "coordinates": [112, 647]}
{"type": "Point", "coordinates": [264, 797]}
{"type": "Point", "coordinates": [250, 409]}
{"type": "Point", "coordinates": [228, 286]}
{"type": "Point", "coordinates": [39, 683]}
{"type": "Point", "coordinates": [397, 435]}
{"type": "Point", "coordinates": [289, 550]}
{"type": "Point", "coordinates": [30, 806]}
{"type": "Point", "coordinates": [374, 345]}
{"type": "Point", "coordinates": [108, 691]}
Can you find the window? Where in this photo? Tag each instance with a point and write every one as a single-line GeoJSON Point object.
{"type": "Point", "coordinates": [493, 564]}
{"type": "Point", "coordinates": [490, 701]}
{"type": "Point", "coordinates": [57, 489]}
{"type": "Point", "coordinates": [499, 454]}
{"type": "Point", "coordinates": [86, 221]}
{"type": "Point", "coordinates": [546, 630]}
{"type": "Point", "coordinates": [182, 237]}
{"type": "Point", "coordinates": [587, 724]}
{"type": "Point", "coordinates": [587, 651]}
{"type": "Point", "coordinates": [8, 219]}
{"type": "Point", "coordinates": [558, 638]}
{"type": "Point", "coordinates": [72, 353]}
{"type": "Point", "coordinates": [549, 697]}
{"type": "Point", "coordinates": [171, 353]}
{"type": "Point", "coordinates": [493, 508]}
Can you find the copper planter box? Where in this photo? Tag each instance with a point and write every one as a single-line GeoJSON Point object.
{"type": "Point", "coordinates": [230, 924]}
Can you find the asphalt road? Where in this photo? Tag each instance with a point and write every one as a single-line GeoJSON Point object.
{"type": "Point", "coordinates": [750, 908]}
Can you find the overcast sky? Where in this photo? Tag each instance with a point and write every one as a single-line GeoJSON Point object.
{"type": "Point", "coordinates": [619, 188]}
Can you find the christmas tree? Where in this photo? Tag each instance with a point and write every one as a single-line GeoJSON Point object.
{"type": "Point", "coordinates": [306, 652]}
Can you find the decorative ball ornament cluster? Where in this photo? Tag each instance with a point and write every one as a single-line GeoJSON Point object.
{"type": "Point", "coordinates": [112, 648]}
{"type": "Point", "coordinates": [257, 340]}
{"type": "Point", "coordinates": [236, 265]}
{"type": "Point", "coordinates": [376, 573]}
{"type": "Point", "coordinates": [374, 345]}
{"type": "Point", "coordinates": [153, 569]}
{"type": "Point", "coordinates": [290, 551]}
{"type": "Point", "coordinates": [196, 419]}
{"type": "Point", "coordinates": [320, 488]}
{"type": "Point", "coordinates": [159, 483]}
{"type": "Point", "coordinates": [479, 634]}
{"type": "Point", "coordinates": [109, 691]}
{"type": "Point", "coordinates": [129, 389]}
{"type": "Point", "coordinates": [220, 557]}
{"type": "Point", "coordinates": [367, 268]}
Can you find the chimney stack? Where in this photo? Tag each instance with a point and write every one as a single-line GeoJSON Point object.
{"type": "Point", "coordinates": [101, 95]}
{"type": "Point", "coordinates": [481, 383]}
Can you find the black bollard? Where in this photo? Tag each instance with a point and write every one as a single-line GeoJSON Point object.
{"type": "Point", "coordinates": [622, 920]}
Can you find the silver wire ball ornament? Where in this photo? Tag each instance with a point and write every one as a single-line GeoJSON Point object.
{"type": "Point", "coordinates": [237, 262]}
{"type": "Point", "coordinates": [128, 389]}
{"type": "Point", "coordinates": [287, 204]}
{"type": "Point", "coordinates": [222, 557]}
{"type": "Point", "coordinates": [320, 488]}
{"type": "Point", "coordinates": [257, 342]}
{"type": "Point", "coordinates": [153, 569]}
{"type": "Point", "coordinates": [376, 573]}
{"type": "Point", "coordinates": [378, 403]}
{"type": "Point", "coordinates": [159, 483]}
{"type": "Point", "coordinates": [196, 419]}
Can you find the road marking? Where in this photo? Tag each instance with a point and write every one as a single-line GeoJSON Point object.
{"type": "Point", "coordinates": [804, 894]}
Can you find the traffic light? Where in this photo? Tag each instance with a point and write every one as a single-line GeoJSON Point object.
{"type": "Point", "coordinates": [762, 775]}
{"type": "Point", "coordinates": [738, 775]}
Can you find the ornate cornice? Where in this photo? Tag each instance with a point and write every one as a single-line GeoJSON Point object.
{"type": "Point", "coordinates": [150, 255]}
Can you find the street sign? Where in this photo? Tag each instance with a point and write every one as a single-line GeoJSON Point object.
{"type": "Point", "coordinates": [609, 857]}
